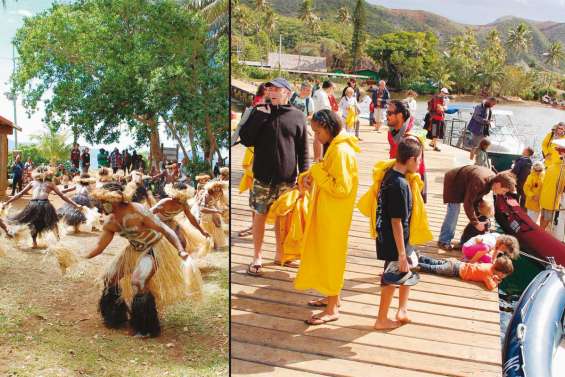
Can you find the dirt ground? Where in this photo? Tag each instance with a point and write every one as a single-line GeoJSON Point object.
{"type": "Point", "coordinates": [49, 324]}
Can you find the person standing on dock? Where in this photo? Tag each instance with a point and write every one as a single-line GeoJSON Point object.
{"type": "Point", "coordinates": [468, 185]}
{"type": "Point", "coordinates": [521, 169]}
{"type": "Point", "coordinates": [480, 123]}
{"type": "Point", "coordinates": [436, 120]}
{"type": "Point", "coordinates": [277, 131]}
{"type": "Point", "coordinates": [322, 102]}
{"type": "Point", "coordinates": [393, 217]}
{"type": "Point", "coordinates": [380, 97]}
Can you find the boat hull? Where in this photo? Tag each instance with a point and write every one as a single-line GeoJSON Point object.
{"type": "Point", "coordinates": [536, 328]}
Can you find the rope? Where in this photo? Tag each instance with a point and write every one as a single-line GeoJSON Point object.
{"type": "Point", "coordinates": [534, 258]}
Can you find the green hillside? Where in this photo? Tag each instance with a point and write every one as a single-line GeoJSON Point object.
{"type": "Point", "coordinates": [382, 20]}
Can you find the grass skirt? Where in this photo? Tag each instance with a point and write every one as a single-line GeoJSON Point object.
{"type": "Point", "coordinates": [71, 215]}
{"type": "Point", "coordinates": [194, 239]}
{"type": "Point", "coordinates": [169, 284]}
{"type": "Point", "coordinates": [39, 215]}
{"type": "Point", "coordinates": [217, 233]}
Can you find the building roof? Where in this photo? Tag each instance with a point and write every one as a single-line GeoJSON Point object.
{"type": "Point", "coordinates": [8, 123]}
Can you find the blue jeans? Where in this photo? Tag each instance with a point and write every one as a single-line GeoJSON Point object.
{"type": "Point", "coordinates": [439, 266]}
{"type": "Point", "coordinates": [447, 231]}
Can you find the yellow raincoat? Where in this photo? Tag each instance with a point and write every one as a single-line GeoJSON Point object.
{"type": "Point", "coordinates": [419, 227]}
{"type": "Point", "coordinates": [247, 164]}
{"type": "Point", "coordinates": [548, 198]}
{"type": "Point", "coordinates": [324, 250]}
{"type": "Point", "coordinates": [292, 210]}
{"type": "Point", "coordinates": [532, 188]}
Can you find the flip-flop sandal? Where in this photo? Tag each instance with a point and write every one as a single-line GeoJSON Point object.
{"type": "Point", "coordinates": [245, 233]}
{"type": "Point", "coordinates": [319, 304]}
{"type": "Point", "coordinates": [317, 321]}
{"type": "Point", "coordinates": [290, 263]}
{"type": "Point", "coordinates": [258, 269]}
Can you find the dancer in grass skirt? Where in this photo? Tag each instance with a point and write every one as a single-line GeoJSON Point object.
{"type": "Point", "coordinates": [148, 274]}
{"type": "Point", "coordinates": [68, 213]}
{"type": "Point", "coordinates": [212, 206]}
{"type": "Point", "coordinates": [39, 214]}
{"type": "Point", "coordinates": [168, 209]}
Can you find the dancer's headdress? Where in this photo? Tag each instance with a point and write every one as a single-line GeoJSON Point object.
{"type": "Point", "coordinates": [113, 192]}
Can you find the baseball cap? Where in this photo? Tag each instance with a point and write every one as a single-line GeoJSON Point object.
{"type": "Point", "coordinates": [279, 82]}
{"type": "Point", "coordinates": [444, 90]}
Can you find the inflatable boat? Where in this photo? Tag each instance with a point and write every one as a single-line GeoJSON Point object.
{"type": "Point", "coordinates": [534, 345]}
{"type": "Point", "coordinates": [515, 221]}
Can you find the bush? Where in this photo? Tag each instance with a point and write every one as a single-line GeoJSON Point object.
{"type": "Point", "coordinates": [421, 87]}
{"type": "Point", "coordinates": [257, 73]}
{"type": "Point", "coordinates": [540, 92]}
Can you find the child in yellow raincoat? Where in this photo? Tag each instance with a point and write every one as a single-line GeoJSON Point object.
{"type": "Point", "coordinates": [550, 195]}
{"type": "Point", "coordinates": [532, 190]}
{"type": "Point", "coordinates": [246, 184]}
{"type": "Point", "coordinates": [334, 183]}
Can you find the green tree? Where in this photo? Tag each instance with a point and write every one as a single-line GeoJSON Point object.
{"type": "Point", "coordinates": [518, 38]}
{"type": "Point", "coordinates": [553, 57]}
{"type": "Point", "coordinates": [463, 59]}
{"type": "Point", "coordinates": [491, 66]}
{"type": "Point", "coordinates": [343, 15]}
{"type": "Point", "coordinates": [113, 65]}
{"type": "Point", "coordinates": [359, 22]}
{"type": "Point", "coordinates": [406, 57]}
{"type": "Point", "coordinates": [306, 14]}
{"type": "Point", "coordinates": [53, 144]}
{"type": "Point", "coordinates": [215, 12]}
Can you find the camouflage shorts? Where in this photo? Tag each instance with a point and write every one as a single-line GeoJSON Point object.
{"type": "Point", "coordinates": [263, 195]}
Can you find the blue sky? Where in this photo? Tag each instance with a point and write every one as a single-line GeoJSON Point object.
{"type": "Point", "coordinates": [479, 12]}
{"type": "Point", "coordinates": [12, 18]}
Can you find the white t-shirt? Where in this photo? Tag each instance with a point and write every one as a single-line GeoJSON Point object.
{"type": "Point", "coordinates": [412, 106]}
{"type": "Point", "coordinates": [321, 100]}
{"type": "Point", "coordinates": [345, 103]}
{"type": "Point", "coordinates": [488, 239]}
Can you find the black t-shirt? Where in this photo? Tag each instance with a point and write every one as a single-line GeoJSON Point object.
{"type": "Point", "coordinates": [394, 202]}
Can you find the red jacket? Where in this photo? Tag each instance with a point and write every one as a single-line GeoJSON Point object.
{"type": "Point", "coordinates": [435, 112]}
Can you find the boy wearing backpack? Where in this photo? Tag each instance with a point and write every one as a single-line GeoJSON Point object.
{"type": "Point", "coordinates": [302, 101]}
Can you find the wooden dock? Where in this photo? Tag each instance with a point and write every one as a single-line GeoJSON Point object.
{"type": "Point", "coordinates": [455, 329]}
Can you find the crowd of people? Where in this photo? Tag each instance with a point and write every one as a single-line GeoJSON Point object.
{"type": "Point", "coordinates": [312, 203]}
{"type": "Point", "coordinates": [165, 228]}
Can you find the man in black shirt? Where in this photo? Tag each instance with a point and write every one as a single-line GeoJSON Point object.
{"type": "Point", "coordinates": [277, 131]}
{"type": "Point", "coordinates": [394, 210]}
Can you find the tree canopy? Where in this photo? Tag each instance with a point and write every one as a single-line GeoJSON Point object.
{"type": "Point", "coordinates": [100, 65]}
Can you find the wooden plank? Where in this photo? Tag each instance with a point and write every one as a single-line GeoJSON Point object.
{"type": "Point", "coordinates": [480, 331]}
{"type": "Point", "coordinates": [371, 338]}
{"type": "Point", "coordinates": [243, 368]}
{"type": "Point", "coordinates": [314, 363]}
{"type": "Point", "coordinates": [359, 352]}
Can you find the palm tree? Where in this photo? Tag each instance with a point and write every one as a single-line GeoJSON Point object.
{"type": "Point", "coordinates": [359, 21]}
{"type": "Point", "coordinates": [518, 39]}
{"type": "Point", "coordinates": [307, 12]}
{"type": "Point", "coordinates": [343, 15]}
{"type": "Point", "coordinates": [270, 24]}
{"type": "Point", "coordinates": [554, 56]}
{"type": "Point", "coordinates": [441, 75]}
{"type": "Point", "coordinates": [215, 12]}
{"type": "Point", "coordinates": [53, 144]}
{"type": "Point", "coordinates": [260, 4]}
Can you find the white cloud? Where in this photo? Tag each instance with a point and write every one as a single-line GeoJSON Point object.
{"type": "Point", "coordinates": [24, 12]}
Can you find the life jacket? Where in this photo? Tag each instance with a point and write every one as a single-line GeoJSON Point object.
{"type": "Point", "coordinates": [393, 144]}
{"type": "Point", "coordinates": [333, 104]}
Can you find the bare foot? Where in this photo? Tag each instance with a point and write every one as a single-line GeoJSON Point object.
{"type": "Point", "coordinates": [402, 317]}
{"type": "Point", "coordinates": [387, 324]}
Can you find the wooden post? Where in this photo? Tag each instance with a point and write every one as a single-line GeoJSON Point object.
{"type": "Point", "coordinates": [3, 163]}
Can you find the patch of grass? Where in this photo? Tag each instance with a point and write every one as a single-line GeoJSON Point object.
{"type": "Point", "coordinates": [35, 342]}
